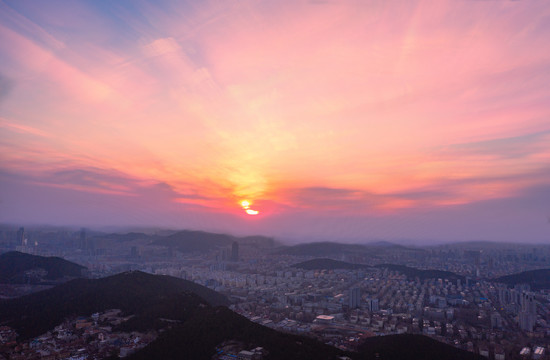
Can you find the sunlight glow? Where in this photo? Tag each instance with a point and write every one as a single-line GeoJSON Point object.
{"type": "Point", "coordinates": [246, 207]}
{"type": "Point", "coordinates": [245, 204]}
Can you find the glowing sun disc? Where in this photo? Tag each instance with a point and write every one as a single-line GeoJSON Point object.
{"type": "Point", "coordinates": [252, 212]}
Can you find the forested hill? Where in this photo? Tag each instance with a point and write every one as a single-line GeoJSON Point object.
{"type": "Point", "coordinates": [17, 267]}
{"type": "Point", "coordinates": [133, 292]}
{"type": "Point", "coordinates": [537, 279]}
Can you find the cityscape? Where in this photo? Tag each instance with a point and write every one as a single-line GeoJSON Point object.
{"type": "Point", "coordinates": [340, 294]}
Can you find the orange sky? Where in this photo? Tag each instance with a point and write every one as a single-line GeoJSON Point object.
{"type": "Point", "coordinates": [309, 110]}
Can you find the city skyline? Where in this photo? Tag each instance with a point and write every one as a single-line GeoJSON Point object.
{"type": "Point", "coordinates": [303, 120]}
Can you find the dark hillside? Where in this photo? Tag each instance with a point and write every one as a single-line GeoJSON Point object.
{"type": "Point", "coordinates": [198, 337]}
{"type": "Point", "coordinates": [537, 279]}
{"type": "Point", "coordinates": [132, 292]}
{"type": "Point", "coordinates": [411, 347]}
{"type": "Point", "coordinates": [14, 265]}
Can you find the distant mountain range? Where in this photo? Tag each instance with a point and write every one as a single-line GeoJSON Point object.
{"type": "Point", "coordinates": [325, 249]}
{"type": "Point", "coordinates": [21, 268]}
{"type": "Point", "coordinates": [328, 264]}
{"type": "Point", "coordinates": [190, 241]}
{"type": "Point", "coordinates": [413, 273]}
{"type": "Point", "coordinates": [537, 279]}
{"type": "Point", "coordinates": [321, 249]}
{"type": "Point", "coordinates": [131, 236]}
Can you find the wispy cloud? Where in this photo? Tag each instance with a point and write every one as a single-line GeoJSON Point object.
{"type": "Point", "coordinates": [20, 128]}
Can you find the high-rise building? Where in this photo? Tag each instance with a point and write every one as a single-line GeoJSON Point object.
{"type": "Point", "coordinates": [82, 239]}
{"type": "Point", "coordinates": [354, 298]}
{"type": "Point", "coordinates": [528, 303]}
{"type": "Point", "coordinates": [515, 296]}
{"type": "Point", "coordinates": [528, 313]}
{"type": "Point", "coordinates": [235, 251]}
{"type": "Point", "coordinates": [21, 237]}
{"type": "Point", "coordinates": [372, 305]}
{"type": "Point", "coordinates": [496, 321]}
{"type": "Point", "coordinates": [504, 297]}
{"type": "Point", "coordinates": [224, 254]}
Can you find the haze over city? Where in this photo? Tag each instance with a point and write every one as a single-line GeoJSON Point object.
{"type": "Point", "coordinates": [420, 121]}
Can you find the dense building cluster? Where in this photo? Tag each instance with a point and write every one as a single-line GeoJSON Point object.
{"type": "Point", "coordinates": [82, 338]}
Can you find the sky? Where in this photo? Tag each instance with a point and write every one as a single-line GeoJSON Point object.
{"type": "Point", "coordinates": [334, 120]}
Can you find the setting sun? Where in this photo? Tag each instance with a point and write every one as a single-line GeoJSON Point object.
{"type": "Point", "coordinates": [245, 204]}
{"type": "Point", "coordinates": [246, 207]}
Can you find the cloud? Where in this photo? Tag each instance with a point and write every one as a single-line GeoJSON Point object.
{"type": "Point", "coordinates": [440, 193]}
{"type": "Point", "coordinates": [521, 146]}
{"type": "Point", "coordinates": [340, 200]}
{"type": "Point", "coordinates": [91, 179]}
{"type": "Point", "coordinates": [6, 85]}
{"type": "Point", "coordinates": [23, 129]}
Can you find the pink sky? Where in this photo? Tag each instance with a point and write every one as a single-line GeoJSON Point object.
{"type": "Point", "coordinates": [335, 120]}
